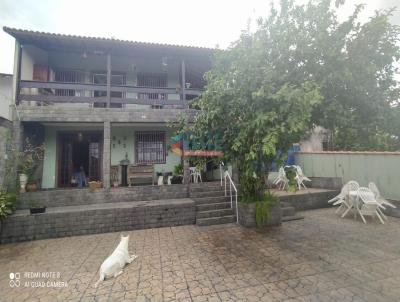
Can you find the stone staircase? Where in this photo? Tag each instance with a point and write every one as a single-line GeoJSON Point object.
{"type": "Point", "coordinates": [289, 212]}
{"type": "Point", "coordinates": [212, 207]}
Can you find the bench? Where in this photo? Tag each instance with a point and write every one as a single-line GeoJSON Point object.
{"type": "Point", "coordinates": [140, 174]}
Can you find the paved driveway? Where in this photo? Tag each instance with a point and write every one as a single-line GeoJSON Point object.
{"type": "Point", "coordinates": [320, 258]}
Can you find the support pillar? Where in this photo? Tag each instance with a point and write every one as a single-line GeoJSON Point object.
{"type": "Point", "coordinates": [183, 83]}
{"type": "Point", "coordinates": [186, 173]}
{"type": "Point", "coordinates": [17, 146]}
{"type": "Point", "coordinates": [106, 154]}
{"type": "Point", "coordinates": [108, 80]}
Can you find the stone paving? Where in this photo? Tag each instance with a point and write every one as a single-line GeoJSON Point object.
{"type": "Point", "coordinates": [320, 258]}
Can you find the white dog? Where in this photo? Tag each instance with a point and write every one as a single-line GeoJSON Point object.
{"type": "Point", "coordinates": [113, 265]}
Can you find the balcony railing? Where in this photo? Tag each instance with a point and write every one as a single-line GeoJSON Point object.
{"type": "Point", "coordinates": [97, 93]}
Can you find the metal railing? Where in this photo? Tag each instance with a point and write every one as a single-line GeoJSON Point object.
{"type": "Point", "coordinates": [232, 189]}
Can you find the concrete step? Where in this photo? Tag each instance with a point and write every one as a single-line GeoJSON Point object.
{"type": "Point", "coordinates": [215, 199]}
{"type": "Point", "coordinates": [214, 213]}
{"type": "Point", "coordinates": [288, 211]}
{"type": "Point", "coordinates": [213, 206]}
{"type": "Point", "coordinates": [215, 220]}
{"type": "Point", "coordinates": [205, 193]}
{"type": "Point", "coordinates": [291, 218]}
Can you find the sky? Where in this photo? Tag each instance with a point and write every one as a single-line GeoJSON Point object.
{"type": "Point", "coordinates": [208, 23]}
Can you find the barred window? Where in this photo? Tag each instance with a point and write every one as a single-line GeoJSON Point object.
{"type": "Point", "coordinates": [150, 148]}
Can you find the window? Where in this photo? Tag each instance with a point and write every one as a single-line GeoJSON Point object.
{"type": "Point", "coordinates": [68, 76]}
{"type": "Point", "coordinates": [152, 80]}
{"type": "Point", "coordinates": [116, 79]}
{"type": "Point", "coordinates": [150, 148]}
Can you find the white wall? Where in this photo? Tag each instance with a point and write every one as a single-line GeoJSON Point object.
{"type": "Point", "coordinates": [5, 95]}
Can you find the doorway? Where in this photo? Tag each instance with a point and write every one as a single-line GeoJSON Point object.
{"type": "Point", "coordinates": [79, 152]}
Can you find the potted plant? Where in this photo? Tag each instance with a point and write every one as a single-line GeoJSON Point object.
{"type": "Point", "coordinates": [31, 185]}
{"type": "Point", "coordinates": [114, 179]}
{"type": "Point", "coordinates": [177, 174]}
{"type": "Point", "coordinates": [36, 208]}
{"type": "Point", "coordinates": [259, 210]}
{"type": "Point", "coordinates": [28, 160]}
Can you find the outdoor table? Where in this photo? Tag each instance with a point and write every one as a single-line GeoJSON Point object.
{"type": "Point", "coordinates": [355, 200]}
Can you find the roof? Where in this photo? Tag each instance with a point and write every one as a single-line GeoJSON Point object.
{"type": "Point", "coordinates": [5, 75]}
{"type": "Point", "coordinates": [48, 40]}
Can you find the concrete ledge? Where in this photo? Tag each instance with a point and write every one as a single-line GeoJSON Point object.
{"type": "Point", "coordinates": [114, 115]}
{"type": "Point", "coordinates": [97, 218]}
{"type": "Point", "coordinates": [332, 183]}
{"type": "Point", "coordinates": [308, 199]}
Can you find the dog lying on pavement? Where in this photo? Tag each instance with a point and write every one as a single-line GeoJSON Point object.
{"type": "Point", "coordinates": [113, 265]}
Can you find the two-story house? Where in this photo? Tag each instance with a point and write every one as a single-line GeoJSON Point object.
{"type": "Point", "coordinates": [97, 102]}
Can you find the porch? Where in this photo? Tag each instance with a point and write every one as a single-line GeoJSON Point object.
{"type": "Point", "coordinates": [110, 153]}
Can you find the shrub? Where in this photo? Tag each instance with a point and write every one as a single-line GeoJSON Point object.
{"type": "Point", "coordinates": [7, 203]}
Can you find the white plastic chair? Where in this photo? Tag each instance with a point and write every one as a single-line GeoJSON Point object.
{"type": "Point", "coordinates": [379, 198]}
{"type": "Point", "coordinates": [350, 201]}
{"type": "Point", "coordinates": [300, 177]}
{"type": "Point", "coordinates": [343, 199]}
{"type": "Point", "coordinates": [369, 205]}
{"type": "Point", "coordinates": [281, 181]}
{"type": "Point", "coordinates": [195, 174]}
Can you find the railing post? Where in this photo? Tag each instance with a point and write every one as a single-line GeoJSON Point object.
{"type": "Point", "coordinates": [108, 80]}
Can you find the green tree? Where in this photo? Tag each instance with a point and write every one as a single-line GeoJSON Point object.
{"type": "Point", "coordinates": [255, 108]}
{"type": "Point", "coordinates": [353, 64]}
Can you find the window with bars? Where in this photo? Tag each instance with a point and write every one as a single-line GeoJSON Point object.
{"type": "Point", "coordinates": [68, 76]}
{"type": "Point", "coordinates": [150, 148]}
{"type": "Point", "coordinates": [152, 80]}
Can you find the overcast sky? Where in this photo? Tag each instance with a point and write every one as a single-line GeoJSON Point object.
{"type": "Point", "coordinates": [200, 23]}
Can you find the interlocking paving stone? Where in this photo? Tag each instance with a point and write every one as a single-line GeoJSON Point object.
{"type": "Point", "coordinates": [320, 258]}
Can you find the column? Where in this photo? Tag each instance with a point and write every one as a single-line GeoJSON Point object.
{"type": "Point", "coordinates": [186, 173]}
{"type": "Point", "coordinates": [183, 84]}
{"type": "Point", "coordinates": [106, 154]}
{"type": "Point", "coordinates": [17, 146]}
{"type": "Point", "coordinates": [108, 80]}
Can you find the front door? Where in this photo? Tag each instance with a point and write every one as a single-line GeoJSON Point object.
{"type": "Point", "coordinates": [79, 152]}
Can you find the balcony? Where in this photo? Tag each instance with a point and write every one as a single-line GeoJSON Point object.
{"type": "Point", "coordinates": [100, 95]}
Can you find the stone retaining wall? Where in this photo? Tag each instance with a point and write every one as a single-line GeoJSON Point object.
{"type": "Point", "coordinates": [71, 197]}
{"type": "Point", "coordinates": [309, 201]}
{"type": "Point", "coordinates": [97, 219]}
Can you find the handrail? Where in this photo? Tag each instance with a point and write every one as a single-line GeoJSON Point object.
{"type": "Point", "coordinates": [221, 164]}
{"type": "Point", "coordinates": [232, 185]}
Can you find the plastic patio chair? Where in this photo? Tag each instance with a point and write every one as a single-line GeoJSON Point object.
{"type": "Point", "coordinates": [300, 177]}
{"type": "Point", "coordinates": [350, 201]}
{"type": "Point", "coordinates": [379, 198]}
{"type": "Point", "coordinates": [343, 199]}
{"type": "Point", "coordinates": [369, 205]}
{"type": "Point", "coordinates": [281, 181]}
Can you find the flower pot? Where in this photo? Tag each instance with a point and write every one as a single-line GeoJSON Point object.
{"type": "Point", "coordinates": [177, 179]}
{"type": "Point", "coordinates": [23, 178]}
{"type": "Point", "coordinates": [115, 184]}
{"type": "Point", "coordinates": [247, 214]}
{"type": "Point", "coordinates": [37, 210]}
{"type": "Point", "coordinates": [93, 185]}
{"type": "Point", "coordinates": [31, 187]}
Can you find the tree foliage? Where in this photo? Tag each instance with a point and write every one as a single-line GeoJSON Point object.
{"type": "Point", "coordinates": [302, 67]}
{"type": "Point", "coordinates": [352, 63]}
